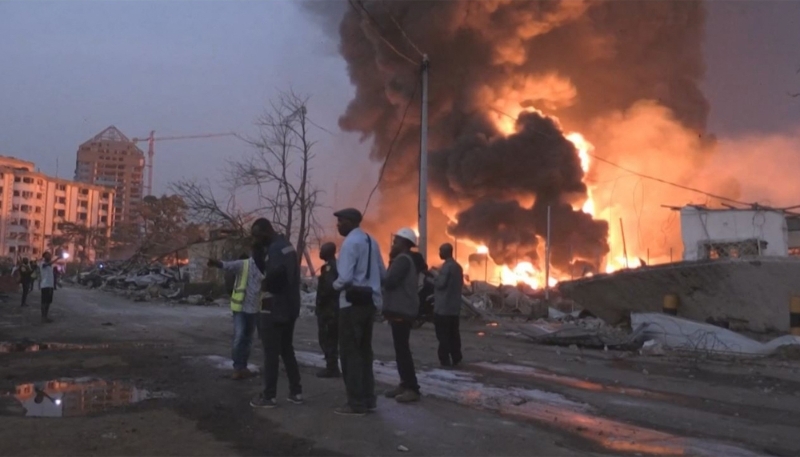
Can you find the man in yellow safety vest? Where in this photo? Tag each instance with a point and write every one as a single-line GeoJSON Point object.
{"type": "Point", "coordinates": [245, 303]}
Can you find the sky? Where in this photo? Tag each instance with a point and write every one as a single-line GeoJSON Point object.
{"type": "Point", "coordinates": [69, 69]}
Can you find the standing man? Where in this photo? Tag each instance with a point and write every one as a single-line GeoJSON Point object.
{"type": "Point", "coordinates": [360, 269]}
{"type": "Point", "coordinates": [47, 283]}
{"type": "Point", "coordinates": [401, 308]}
{"type": "Point", "coordinates": [245, 301]}
{"type": "Point", "coordinates": [447, 307]}
{"type": "Point", "coordinates": [26, 279]}
{"type": "Point", "coordinates": [327, 311]}
{"type": "Point", "coordinates": [280, 308]}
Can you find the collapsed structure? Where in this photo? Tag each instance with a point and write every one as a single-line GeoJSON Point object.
{"type": "Point", "coordinates": [736, 271]}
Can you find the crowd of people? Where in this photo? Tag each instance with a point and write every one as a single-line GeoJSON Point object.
{"type": "Point", "coordinates": [44, 272]}
{"type": "Point", "coordinates": [352, 289]}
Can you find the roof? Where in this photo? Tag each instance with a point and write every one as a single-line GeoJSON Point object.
{"type": "Point", "coordinates": [111, 134]}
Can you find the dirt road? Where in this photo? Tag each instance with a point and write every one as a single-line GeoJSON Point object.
{"type": "Point", "coordinates": [112, 377]}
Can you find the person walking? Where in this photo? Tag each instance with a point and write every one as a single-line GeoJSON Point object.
{"type": "Point", "coordinates": [360, 268]}
{"type": "Point", "coordinates": [25, 279]}
{"type": "Point", "coordinates": [448, 287]}
{"type": "Point", "coordinates": [245, 302]}
{"type": "Point", "coordinates": [47, 284]}
{"type": "Point", "coordinates": [280, 308]}
{"type": "Point", "coordinates": [327, 311]}
{"type": "Point", "coordinates": [401, 308]}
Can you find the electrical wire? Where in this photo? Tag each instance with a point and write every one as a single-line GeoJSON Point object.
{"type": "Point", "coordinates": [391, 147]}
{"type": "Point", "coordinates": [380, 34]}
{"type": "Point", "coordinates": [403, 32]}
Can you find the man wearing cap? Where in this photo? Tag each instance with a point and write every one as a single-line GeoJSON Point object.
{"type": "Point", "coordinates": [360, 269]}
{"type": "Point", "coordinates": [401, 307]}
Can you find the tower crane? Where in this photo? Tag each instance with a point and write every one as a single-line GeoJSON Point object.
{"type": "Point", "coordinates": [151, 139]}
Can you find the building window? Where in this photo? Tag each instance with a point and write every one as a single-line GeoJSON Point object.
{"type": "Point", "coordinates": [14, 207]}
{"type": "Point", "coordinates": [17, 179]}
{"type": "Point", "coordinates": [27, 194]}
{"type": "Point", "coordinates": [82, 216]}
{"type": "Point", "coordinates": [104, 219]}
{"type": "Point", "coordinates": [59, 213]}
{"type": "Point", "coordinates": [39, 182]}
{"type": "Point", "coordinates": [16, 193]}
{"type": "Point", "coordinates": [105, 194]}
{"type": "Point", "coordinates": [12, 249]}
{"type": "Point", "coordinates": [84, 191]}
{"type": "Point", "coordinates": [84, 204]}
{"type": "Point", "coordinates": [62, 200]}
{"type": "Point", "coordinates": [38, 196]}
{"type": "Point", "coordinates": [27, 180]}
{"type": "Point", "coordinates": [61, 187]}
{"type": "Point", "coordinates": [38, 210]}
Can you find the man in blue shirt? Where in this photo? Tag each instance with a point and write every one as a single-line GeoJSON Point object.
{"type": "Point", "coordinates": [360, 268]}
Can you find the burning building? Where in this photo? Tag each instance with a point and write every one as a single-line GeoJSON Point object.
{"type": "Point", "coordinates": [524, 96]}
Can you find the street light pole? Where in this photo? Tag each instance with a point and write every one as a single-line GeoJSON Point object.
{"type": "Point", "coordinates": [423, 163]}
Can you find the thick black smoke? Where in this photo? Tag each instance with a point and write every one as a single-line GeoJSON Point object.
{"type": "Point", "coordinates": [576, 60]}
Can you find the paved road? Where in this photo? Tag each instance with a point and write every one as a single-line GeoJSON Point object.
{"type": "Point", "coordinates": [512, 398]}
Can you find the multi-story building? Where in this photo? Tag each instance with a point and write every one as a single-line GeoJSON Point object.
{"type": "Point", "coordinates": [111, 159]}
{"type": "Point", "coordinates": [34, 208]}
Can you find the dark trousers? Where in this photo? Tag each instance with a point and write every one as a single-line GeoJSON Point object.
{"type": "Point", "coordinates": [328, 334]}
{"type": "Point", "coordinates": [277, 338]}
{"type": "Point", "coordinates": [244, 325]}
{"type": "Point", "coordinates": [449, 337]}
{"type": "Point", "coordinates": [401, 335]}
{"type": "Point", "coordinates": [47, 299]}
{"type": "Point", "coordinates": [355, 347]}
{"type": "Point", "coordinates": [26, 289]}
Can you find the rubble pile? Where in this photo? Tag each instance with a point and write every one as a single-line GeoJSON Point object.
{"type": "Point", "coordinates": [143, 283]}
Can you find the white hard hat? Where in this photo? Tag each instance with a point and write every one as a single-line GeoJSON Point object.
{"type": "Point", "coordinates": [407, 234]}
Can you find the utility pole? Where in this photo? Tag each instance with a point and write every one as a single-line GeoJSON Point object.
{"type": "Point", "coordinates": [547, 259]}
{"type": "Point", "coordinates": [423, 164]}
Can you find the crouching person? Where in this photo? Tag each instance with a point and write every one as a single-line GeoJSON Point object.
{"type": "Point", "coordinates": [401, 307]}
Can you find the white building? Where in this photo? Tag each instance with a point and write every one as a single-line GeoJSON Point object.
{"type": "Point", "coordinates": [725, 233]}
{"type": "Point", "coordinates": [34, 208]}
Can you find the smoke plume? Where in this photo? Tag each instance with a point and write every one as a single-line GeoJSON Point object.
{"type": "Point", "coordinates": [584, 63]}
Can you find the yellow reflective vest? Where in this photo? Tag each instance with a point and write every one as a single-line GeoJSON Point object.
{"type": "Point", "coordinates": [240, 288]}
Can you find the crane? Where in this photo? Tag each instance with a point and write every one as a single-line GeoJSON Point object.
{"type": "Point", "coordinates": [151, 139]}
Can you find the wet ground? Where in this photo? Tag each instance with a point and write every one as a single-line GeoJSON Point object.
{"type": "Point", "coordinates": [112, 377]}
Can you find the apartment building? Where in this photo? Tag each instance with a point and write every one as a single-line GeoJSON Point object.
{"type": "Point", "coordinates": [34, 208]}
{"type": "Point", "coordinates": [111, 159]}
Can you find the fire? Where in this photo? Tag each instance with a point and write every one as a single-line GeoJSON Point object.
{"type": "Point", "coordinates": [584, 150]}
{"type": "Point", "coordinates": [524, 273]}
{"type": "Point", "coordinates": [483, 250]}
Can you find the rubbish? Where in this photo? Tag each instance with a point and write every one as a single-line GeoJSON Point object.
{"type": "Point", "coordinates": [682, 334]}
{"type": "Point", "coordinates": [195, 299]}
{"type": "Point", "coordinates": [402, 448]}
{"type": "Point", "coordinates": [652, 347]}
{"type": "Point", "coordinates": [109, 436]}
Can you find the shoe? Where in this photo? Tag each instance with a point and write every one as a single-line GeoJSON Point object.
{"type": "Point", "coordinates": [409, 396]}
{"type": "Point", "coordinates": [446, 364]}
{"type": "Point", "coordinates": [456, 362]}
{"type": "Point", "coordinates": [394, 392]}
{"type": "Point", "coordinates": [296, 399]}
{"type": "Point", "coordinates": [373, 405]}
{"type": "Point", "coordinates": [238, 375]}
{"type": "Point", "coordinates": [329, 373]}
{"type": "Point", "coordinates": [261, 402]}
{"type": "Point", "coordinates": [347, 410]}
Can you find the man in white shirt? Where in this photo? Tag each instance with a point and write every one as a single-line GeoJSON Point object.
{"type": "Point", "coordinates": [47, 283]}
{"type": "Point", "coordinates": [360, 266]}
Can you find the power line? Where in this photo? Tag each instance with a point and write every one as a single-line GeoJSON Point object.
{"type": "Point", "coordinates": [403, 32]}
{"type": "Point", "coordinates": [641, 175]}
{"type": "Point", "coordinates": [380, 34]}
{"type": "Point", "coordinates": [391, 146]}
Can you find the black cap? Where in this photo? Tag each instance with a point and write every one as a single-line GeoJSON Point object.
{"type": "Point", "coordinates": [350, 214]}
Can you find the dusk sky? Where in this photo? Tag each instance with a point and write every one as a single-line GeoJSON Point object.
{"type": "Point", "coordinates": [69, 69]}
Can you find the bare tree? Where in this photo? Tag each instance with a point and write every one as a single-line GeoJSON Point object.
{"type": "Point", "coordinates": [205, 208]}
{"type": "Point", "coordinates": [279, 168]}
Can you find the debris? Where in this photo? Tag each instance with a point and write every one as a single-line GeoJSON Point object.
{"type": "Point", "coordinates": [645, 372]}
{"type": "Point", "coordinates": [683, 334]}
{"type": "Point", "coordinates": [195, 299]}
{"type": "Point", "coordinates": [402, 448]}
{"type": "Point", "coordinates": [109, 436]}
{"type": "Point", "coordinates": [652, 347]}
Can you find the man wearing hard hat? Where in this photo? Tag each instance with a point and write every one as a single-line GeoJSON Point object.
{"type": "Point", "coordinates": [401, 307]}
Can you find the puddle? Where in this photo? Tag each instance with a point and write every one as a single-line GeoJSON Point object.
{"type": "Point", "coordinates": [222, 363]}
{"type": "Point", "coordinates": [70, 397]}
{"type": "Point", "coordinates": [551, 409]}
{"type": "Point", "coordinates": [8, 347]}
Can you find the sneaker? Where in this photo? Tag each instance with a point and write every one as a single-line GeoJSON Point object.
{"type": "Point", "coordinates": [296, 399]}
{"type": "Point", "coordinates": [409, 396]}
{"type": "Point", "coordinates": [329, 373]}
{"type": "Point", "coordinates": [261, 402]}
{"type": "Point", "coordinates": [395, 392]}
{"type": "Point", "coordinates": [347, 410]}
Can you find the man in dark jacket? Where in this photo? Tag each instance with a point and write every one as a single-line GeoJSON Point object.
{"type": "Point", "coordinates": [401, 307]}
{"type": "Point", "coordinates": [26, 279]}
{"type": "Point", "coordinates": [280, 308]}
{"type": "Point", "coordinates": [327, 311]}
{"type": "Point", "coordinates": [447, 307]}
